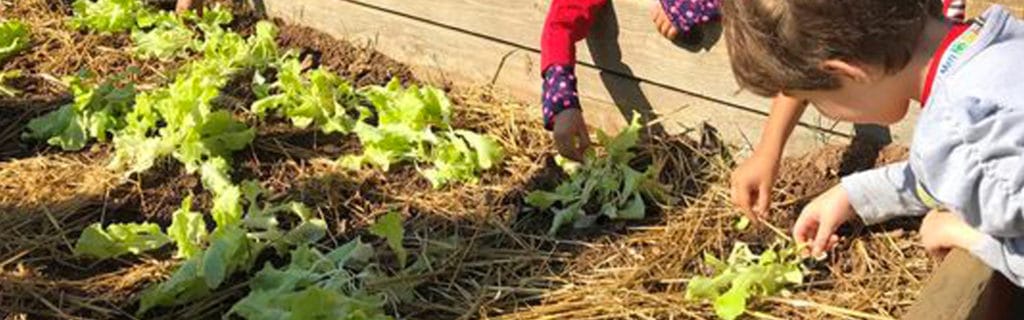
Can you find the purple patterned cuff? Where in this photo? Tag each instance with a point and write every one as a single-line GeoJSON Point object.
{"type": "Point", "coordinates": [686, 14]}
{"type": "Point", "coordinates": [558, 93]}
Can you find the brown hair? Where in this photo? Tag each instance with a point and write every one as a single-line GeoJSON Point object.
{"type": "Point", "coordinates": [779, 45]}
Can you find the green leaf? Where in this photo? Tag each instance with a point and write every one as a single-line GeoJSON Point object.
{"type": "Point", "coordinates": [354, 251]}
{"type": "Point", "coordinates": [489, 152]}
{"type": "Point", "coordinates": [4, 77]}
{"type": "Point", "coordinates": [390, 228]}
{"type": "Point", "coordinates": [413, 124]}
{"type": "Point", "coordinates": [607, 182]}
{"type": "Point", "coordinates": [742, 224]}
{"type": "Point", "coordinates": [732, 303]}
{"type": "Point", "coordinates": [61, 128]}
{"type": "Point", "coordinates": [221, 258]}
{"type": "Point", "coordinates": [635, 209]}
{"type": "Point", "coordinates": [564, 217]}
{"type": "Point", "coordinates": [186, 284]}
{"type": "Point", "coordinates": [701, 288]}
{"type": "Point", "coordinates": [105, 16]}
{"type": "Point", "coordinates": [744, 275]}
{"type": "Point", "coordinates": [222, 134]}
{"type": "Point", "coordinates": [262, 45]}
{"type": "Point", "coordinates": [188, 230]}
{"type": "Point", "coordinates": [621, 143]}
{"type": "Point", "coordinates": [119, 239]}
{"type": "Point", "coordinates": [543, 200]}
{"type": "Point", "coordinates": [312, 286]}
{"type": "Point", "coordinates": [716, 264]}
{"type": "Point", "coordinates": [14, 38]}
{"type": "Point", "coordinates": [167, 38]}
{"type": "Point", "coordinates": [95, 112]}
{"type": "Point", "coordinates": [307, 232]}
{"type": "Point", "coordinates": [793, 274]}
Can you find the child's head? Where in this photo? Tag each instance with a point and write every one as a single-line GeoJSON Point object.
{"type": "Point", "coordinates": [842, 55]}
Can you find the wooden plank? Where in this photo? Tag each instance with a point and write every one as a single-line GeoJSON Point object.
{"type": "Point", "coordinates": [964, 288]}
{"type": "Point", "coordinates": [430, 48]}
{"type": "Point", "coordinates": [624, 44]}
{"type": "Point", "coordinates": [976, 7]}
{"type": "Point", "coordinates": [622, 41]}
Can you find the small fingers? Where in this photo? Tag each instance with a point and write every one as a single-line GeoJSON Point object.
{"type": "Point", "coordinates": [833, 242]}
{"type": "Point", "coordinates": [672, 32]}
{"type": "Point", "coordinates": [564, 145]}
{"type": "Point", "coordinates": [582, 140]}
{"type": "Point", "coordinates": [764, 196]}
{"type": "Point", "coordinates": [803, 228]}
{"type": "Point", "coordinates": [824, 234]}
{"type": "Point", "coordinates": [741, 197]}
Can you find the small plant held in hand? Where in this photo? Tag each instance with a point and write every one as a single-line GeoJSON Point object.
{"type": "Point", "coordinates": [607, 182]}
{"type": "Point", "coordinates": [744, 275]}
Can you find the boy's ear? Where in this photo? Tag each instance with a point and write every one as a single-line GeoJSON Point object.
{"type": "Point", "coordinates": [843, 69]}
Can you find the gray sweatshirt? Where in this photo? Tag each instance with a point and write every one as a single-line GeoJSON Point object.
{"type": "Point", "coordinates": [968, 149]}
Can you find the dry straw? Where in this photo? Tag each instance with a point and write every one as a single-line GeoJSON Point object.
{"type": "Point", "coordinates": [490, 255]}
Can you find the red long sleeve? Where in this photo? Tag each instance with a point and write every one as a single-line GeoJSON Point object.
{"type": "Point", "coordinates": [568, 21]}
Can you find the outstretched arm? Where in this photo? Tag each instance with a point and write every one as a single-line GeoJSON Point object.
{"type": "Point", "coordinates": [752, 181]}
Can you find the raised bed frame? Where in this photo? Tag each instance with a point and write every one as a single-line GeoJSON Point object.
{"type": "Point", "coordinates": [624, 63]}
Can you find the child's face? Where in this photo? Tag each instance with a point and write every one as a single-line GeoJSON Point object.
{"type": "Point", "coordinates": [864, 96]}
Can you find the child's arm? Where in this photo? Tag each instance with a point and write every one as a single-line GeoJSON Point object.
{"type": "Point", "coordinates": [875, 196]}
{"type": "Point", "coordinates": [1005, 255]}
{"type": "Point", "coordinates": [752, 181]}
{"type": "Point", "coordinates": [943, 230]}
{"type": "Point", "coordinates": [568, 21]}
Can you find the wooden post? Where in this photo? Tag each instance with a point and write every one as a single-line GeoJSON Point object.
{"type": "Point", "coordinates": [965, 288]}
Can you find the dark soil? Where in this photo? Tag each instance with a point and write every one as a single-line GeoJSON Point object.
{"type": "Point", "coordinates": [360, 64]}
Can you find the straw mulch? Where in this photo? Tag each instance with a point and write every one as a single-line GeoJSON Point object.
{"type": "Point", "coordinates": [491, 257]}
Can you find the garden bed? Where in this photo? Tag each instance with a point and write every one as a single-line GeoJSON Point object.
{"type": "Point", "coordinates": [492, 257]}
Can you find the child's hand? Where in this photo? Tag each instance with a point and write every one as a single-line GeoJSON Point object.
{"type": "Point", "coordinates": [943, 230]}
{"type": "Point", "coordinates": [819, 220]}
{"type": "Point", "coordinates": [752, 184]}
{"type": "Point", "coordinates": [185, 5]}
{"type": "Point", "coordinates": [662, 22]}
{"type": "Point", "coordinates": [570, 133]}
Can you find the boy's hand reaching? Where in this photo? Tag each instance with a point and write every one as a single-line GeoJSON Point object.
{"type": "Point", "coordinates": [942, 230]}
{"type": "Point", "coordinates": [819, 220]}
{"type": "Point", "coordinates": [752, 183]}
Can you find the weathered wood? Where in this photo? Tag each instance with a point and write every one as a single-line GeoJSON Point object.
{"type": "Point", "coordinates": [466, 58]}
{"type": "Point", "coordinates": [965, 288]}
{"type": "Point", "coordinates": [624, 40]}
{"type": "Point", "coordinates": [976, 7]}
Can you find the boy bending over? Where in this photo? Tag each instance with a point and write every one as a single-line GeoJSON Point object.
{"type": "Point", "coordinates": [863, 61]}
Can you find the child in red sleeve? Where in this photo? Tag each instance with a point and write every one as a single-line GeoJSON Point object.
{"type": "Point", "coordinates": [569, 21]}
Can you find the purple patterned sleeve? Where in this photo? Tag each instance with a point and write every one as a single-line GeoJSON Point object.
{"type": "Point", "coordinates": [558, 92]}
{"type": "Point", "coordinates": [686, 14]}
